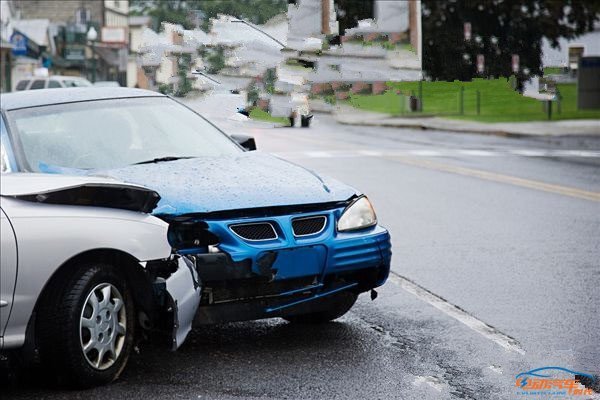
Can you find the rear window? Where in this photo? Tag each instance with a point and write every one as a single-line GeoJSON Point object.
{"type": "Point", "coordinates": [38, 84]}
{"type": "Point", "coordinates": [22, 85]}
{"type": "Point", "coordinates": [53, 84]}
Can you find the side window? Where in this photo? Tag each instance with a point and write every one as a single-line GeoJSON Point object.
{"type": "Point", "coordinates": [22, 85]}
{"type": "Point", "coordinates": [5, 159]}
{"type": "Point", "coordinates": [53, 84]}
{"type": "Point", "coordinates": [4, 165]}
{"type": "Point", "coordinates": [38, 84]}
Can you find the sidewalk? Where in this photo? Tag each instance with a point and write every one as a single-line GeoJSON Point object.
{"type": "Point", "coordinates": [352, 116]}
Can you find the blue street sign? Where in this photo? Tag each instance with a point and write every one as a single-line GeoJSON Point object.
{"type": "Point", "coordinates": [19, 42]}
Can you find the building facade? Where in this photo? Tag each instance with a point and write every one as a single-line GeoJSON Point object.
{"type": "Point", "coordinates": [55, 33]}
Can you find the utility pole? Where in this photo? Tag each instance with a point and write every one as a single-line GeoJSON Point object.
{"type": "Point", "coordinates": [325, 11]}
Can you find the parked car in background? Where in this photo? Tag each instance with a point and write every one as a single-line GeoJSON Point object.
{"type": "Point", "coordinates": [106, 84]}
{"type": "Point", "coordinates": [269, 237]}
{"type": "Point", "coordinates": [84, 268]}
{"type": "Point", "coordinates": [52, 82]}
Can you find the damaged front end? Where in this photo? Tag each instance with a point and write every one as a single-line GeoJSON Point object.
{"type": "Point", "coordinates": [278, 262]}
{"type": "Point", "coordinates": [167, 289]}
{"type": "Point", "coordinates": [176, 294]}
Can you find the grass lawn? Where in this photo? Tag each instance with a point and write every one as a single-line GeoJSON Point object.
{"type": "Point", "coordinates": [499, 103]}
{"type": "Point", "coordinates": [553, 70]}
{"type": "Point", "coordinates": [261, 115]}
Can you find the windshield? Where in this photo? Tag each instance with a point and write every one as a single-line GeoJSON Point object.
{"type": "Point", "coordinates": [114, 133]}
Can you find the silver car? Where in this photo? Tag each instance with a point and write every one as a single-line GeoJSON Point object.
{"type": "Point", "coordinates": [84, 268]}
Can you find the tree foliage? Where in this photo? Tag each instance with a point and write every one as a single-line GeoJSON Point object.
{"type": "Point", "coordinates": [174, 11]}
{"type": "Point", "coordinates": [184, 85]}
{"type": "Point", "coordinates": [183, 11]}
{"type": "Point", "coordinates": [499, 30]}
{"type": "Point", "coordinates": [349, 12]}
{"type": "Point", "coordinates": [215, 59]}
{"type": "Point", "coordinates": [255, 11]}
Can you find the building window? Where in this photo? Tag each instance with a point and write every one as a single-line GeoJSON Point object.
{"type": "Point", "coordinates": [82, 16]}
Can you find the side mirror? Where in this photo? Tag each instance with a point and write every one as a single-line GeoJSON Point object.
{"type": "Point", "coordinates": [246, 142]}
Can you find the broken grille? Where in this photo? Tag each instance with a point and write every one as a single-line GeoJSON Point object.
{"type": "Point", "coordinates": [309, 225]}
{"type": "Point", "coordinates": [255, 231]}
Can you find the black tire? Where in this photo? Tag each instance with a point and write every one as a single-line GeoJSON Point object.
{"type": "Point", "coordinates": [61, 337]}
{"type": "Point", "coordinates": [339, 305]}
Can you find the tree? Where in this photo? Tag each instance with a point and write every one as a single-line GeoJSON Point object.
{"type": "Point", "coordinates": [499, 30]}
{"type": "Point", "coordinates": [255, 11]}
{"type": "Point", "coordinates": [349, 12]}
{"type": "Point", "coordinates": [181, 11]}
{"type": "Point", "coordinates": [215, 59]}
{"type": "Point", "coordinates": [173, 11]}
{"type": "Point", "coordinates": [184, 85]}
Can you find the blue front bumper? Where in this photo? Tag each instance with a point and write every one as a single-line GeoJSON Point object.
{"type": "Point", "coordinates": [287, 275]}
{"type": "Point", "coordinates": [320, 255]}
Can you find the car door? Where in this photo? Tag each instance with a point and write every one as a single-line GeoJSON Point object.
{"type": "Point", "coordinates": [8, 269]}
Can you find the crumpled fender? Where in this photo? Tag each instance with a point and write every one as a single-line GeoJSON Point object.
{"type": "Point", "coordinates": [184, 290]}
{"type": "Point", "coordinates": [78, 191]}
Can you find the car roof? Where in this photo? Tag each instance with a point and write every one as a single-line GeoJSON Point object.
{"type": "Point", "coordinates": [45, 97]}
{"type": "Point", "coordinates": [33, 78]}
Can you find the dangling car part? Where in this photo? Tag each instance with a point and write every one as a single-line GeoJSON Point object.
{"type": "Point", "coordinates": [81, 263]}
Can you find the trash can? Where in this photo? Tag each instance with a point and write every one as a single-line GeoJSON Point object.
{"type": "Point", "coordinates": [413, 103]}
{"type": "Point", "coordinates": [305, 121]}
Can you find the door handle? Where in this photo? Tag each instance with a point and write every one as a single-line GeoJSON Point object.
{"type": "Point", "coordinates": [3, 303]}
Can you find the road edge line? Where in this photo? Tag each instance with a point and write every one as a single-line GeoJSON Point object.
{"type": "Point", "coordinates": [457, 313]}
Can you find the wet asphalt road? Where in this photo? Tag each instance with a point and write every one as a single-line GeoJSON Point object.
{"type": "Point", "coordinates": [518, 255]}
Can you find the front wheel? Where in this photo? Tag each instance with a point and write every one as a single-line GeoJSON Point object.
{"type": "Point", "coordinates": [86, 332]}
{"type": "Point", "coordinates": [339, 305]}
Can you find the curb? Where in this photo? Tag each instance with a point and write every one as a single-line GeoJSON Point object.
{"type": "Point", "coordinates": [425, 127]}
{"type": "Point", "coordinates": [466, 129]}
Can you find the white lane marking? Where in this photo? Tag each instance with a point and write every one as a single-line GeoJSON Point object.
{"type": "Point", "coordinates": [529, 153]}
{"type": "Point", "coordinates": [482, 153]}
{"type": "Point", "coordinates": [370, 153]}
{"type": "Point", "coordinates": [426, 153]}
{"type": "Point", "coordinates": [439, 153]}
{"type": "Point", "coordinates": [455, 312]}
{"type": "Point", "coordinates": [319, 154]}
{"type": "Point", "coordinates": [575, 153]}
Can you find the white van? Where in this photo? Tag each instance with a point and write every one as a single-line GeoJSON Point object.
{"type": "Point", "coordinates": [54, 81]}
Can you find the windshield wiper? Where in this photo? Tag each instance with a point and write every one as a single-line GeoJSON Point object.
{"type": "Point", "coordinates": [162, 159]}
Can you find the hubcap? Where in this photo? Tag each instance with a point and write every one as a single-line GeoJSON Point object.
{"type": "Point", "coordinates": [102, 326]}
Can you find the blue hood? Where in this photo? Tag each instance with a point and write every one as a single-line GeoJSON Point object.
{"type": "Point", "coordinates": [245, 180]}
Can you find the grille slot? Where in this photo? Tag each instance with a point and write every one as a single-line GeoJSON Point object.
{"type": "Point", "coordinates": [255, 231]}
{"type": "Point", "coordinates": [308, 225]}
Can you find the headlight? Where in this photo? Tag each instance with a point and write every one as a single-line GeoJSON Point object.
{"type": "Point", "coordinates": [358, 215]}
